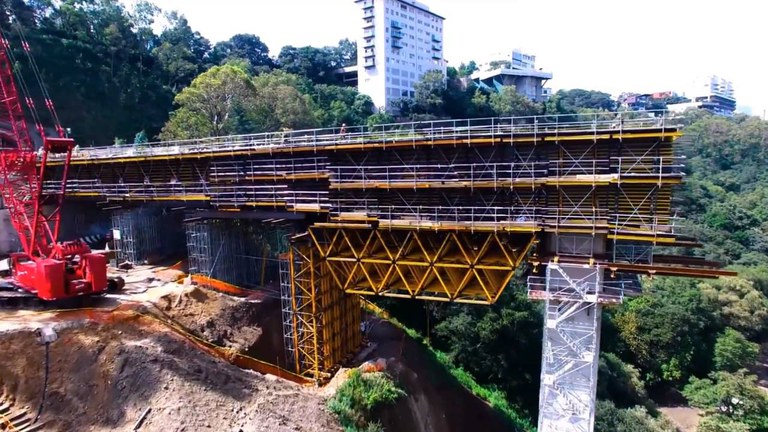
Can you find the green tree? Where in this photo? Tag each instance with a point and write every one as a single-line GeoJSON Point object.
{"type": "Point", "coordinates": [346, 53]}
{"type": "Point", "coordinates": [668, 332]}
{"type": "Point", "coordinates": [733, 351]}
{"type": "Point", "coordinates": [210, 105]}
{"type": "Point", "coordinates": [609, 418]}
{"type": "Point", "coordinates": [731, 396]}
{"type": "Point", "coordinates": [182, 52]}
{"type": "Point", "coordinates": [573, 101]}
{"type": "Point", "coordinates": [317, 64]}
{"type": "Point", "coordinates": [140, 138]}
{"type": "Point", "coordinates": [248, 47]}
{"type": "Point", "coordinates": [337, 105]}
{"type": "Point", "coordinates": [379, 118]}
{"type": "Point", "coordinates": [495, 344]}
{"type": "Point", "coordinates": [281, 104]}
{"type": "Point", "coordinates": [620, 382]}
{"type": "Point", "coordinates": [468, 69]}
{"type": "Point", "coordinates": [509, 103]}
{"type": "Point", "coordinates": [358, 396]}
{"type": "Point", "coordinates": [430, 91]}
{"type": "Point", "coordinates": [742, 306]}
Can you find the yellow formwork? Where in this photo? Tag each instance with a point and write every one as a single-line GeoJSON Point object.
{"type": "Point", "coordinates": [465, 267]}
{"type": "Point", "coordinates": [326, 321]}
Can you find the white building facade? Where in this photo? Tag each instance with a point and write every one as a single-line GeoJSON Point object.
{"type": "Point", "coordinates": [400, 42]}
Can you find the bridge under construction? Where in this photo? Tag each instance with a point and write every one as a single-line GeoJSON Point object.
{"type": "Point", "coordinates": [445, 211]}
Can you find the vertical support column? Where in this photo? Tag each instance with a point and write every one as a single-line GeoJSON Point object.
{"type": "Point", "coordinates": [321, 323]}
{"type": "Point", "coordinates": [571, 347]}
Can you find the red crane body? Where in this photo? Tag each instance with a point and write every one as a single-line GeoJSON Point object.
{"type": "Point", "coordinates": [46, 268]}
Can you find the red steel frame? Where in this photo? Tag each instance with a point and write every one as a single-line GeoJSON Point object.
{"type": "Point", "coordinates": [41, 268]}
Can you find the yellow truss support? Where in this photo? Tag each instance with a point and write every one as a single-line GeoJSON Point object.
{"type": "Point", "coordinates": [466, 267]}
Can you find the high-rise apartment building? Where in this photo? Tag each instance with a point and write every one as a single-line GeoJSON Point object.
{"type": "Point", "coordinates": [401, 41]}
{"type": "Point", "coordinates": [711, 93]}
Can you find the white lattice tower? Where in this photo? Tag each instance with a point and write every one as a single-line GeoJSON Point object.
{"type": "Point", "coordinates": [570, 349]}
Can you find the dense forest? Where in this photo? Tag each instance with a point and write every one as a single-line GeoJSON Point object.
{"type": "Point", "coordinates": [115, 80]}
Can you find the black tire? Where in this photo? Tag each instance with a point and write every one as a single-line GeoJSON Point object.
{"type": "Point", "coordinates": [115, 284]}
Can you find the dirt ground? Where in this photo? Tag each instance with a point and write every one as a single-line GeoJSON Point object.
{"type": "Point", "coordinates": [103, 376]}
{"type": "Point", "coordinates": [686, 419]}
{"type": "Point", "coordinates": [251, 327]}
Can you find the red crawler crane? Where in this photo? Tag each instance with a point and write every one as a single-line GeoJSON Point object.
{"type": "Point", "coordinates": [47, 269]}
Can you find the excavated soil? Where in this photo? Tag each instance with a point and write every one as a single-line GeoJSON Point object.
{"type": "Point", "coordinates": [249, 326]}
{"type": "Point", "coordinates": [103, 376]}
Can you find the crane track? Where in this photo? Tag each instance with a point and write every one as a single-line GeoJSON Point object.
{"type": "Point", "coordinates": [13, 419]}
{"type": "Point", "coordinates": [15, 300]}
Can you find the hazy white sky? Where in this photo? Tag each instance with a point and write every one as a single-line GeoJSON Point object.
{"type": "Point", "coordinates": [608, 45]}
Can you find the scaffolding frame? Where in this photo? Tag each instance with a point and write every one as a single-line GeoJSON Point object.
{"type": "Point", "coordinates": [321, 324]}
{"type": "Point", "coordinates": [244, 253]}
{"type": "Point", "coordinates": [454, 131]}
{"type": "Point", "coordinates": [136, 234]}
{"type": "Point", "coordinates": [573, 296]}
{"type": "Point", "coordinates": [444, 211]}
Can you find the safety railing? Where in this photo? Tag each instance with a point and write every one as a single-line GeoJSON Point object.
{"type": "Point", "coordinates": [455, 130]}
{"type": "Point", "coordinates": [242, 170]}
{"type": "Point", "coordinates": [372, 175]}
{"type": "Point", "coordinates": [562, 289]}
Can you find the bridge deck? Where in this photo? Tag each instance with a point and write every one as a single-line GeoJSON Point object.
{"type": "Point", "coordinates": [607, 174]}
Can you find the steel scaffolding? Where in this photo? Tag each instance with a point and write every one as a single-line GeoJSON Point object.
{"type": "Point", "coordinates": [573, 296]}
{"type": "Point", "coordinates": [146, 235]}
{"type": "Point", "coordinates": [244, 253]}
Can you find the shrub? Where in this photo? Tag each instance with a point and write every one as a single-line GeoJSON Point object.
{"type": "Point", "coordinates": [359, 395]}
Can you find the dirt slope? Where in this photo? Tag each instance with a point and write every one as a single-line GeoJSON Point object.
{"type": "Point", "coordinates": [436, 402]}
{"type": "Point", "coordinates": [251, 327]}
{"type": "Point", "coordinates": [104, 376]}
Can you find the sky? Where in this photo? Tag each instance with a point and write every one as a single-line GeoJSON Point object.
{"type": "Point", "coordinates": [607, 45]}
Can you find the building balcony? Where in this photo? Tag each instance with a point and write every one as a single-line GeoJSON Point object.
{"type": "Point", "coordinates": [369, 63]}
{"type": "Point", "coordinates": [368, 13]}
{"type": "Point", "coordinates": [436, 47]}
{"type": "Point", "coordinates": [369, 33]}
{"type": "Point", "coordinates": [396, 44]}
{"type": "Point", "coordinates": [396, 25]}
{"type": "Point", "coordinates": [436, 56]}
{"type": "Point", "coordinates": [368, 24]}
{"type": "Point", "coordinates": [435, 38]}
{"type": "Point", "coordinates": [369, 43]}
{"type": "Point", "coordinates": [397, 34]}
{"type": "Point", "coordinates": [368, 4]}
{"type": "Point", "coordinates": [369, 53]}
